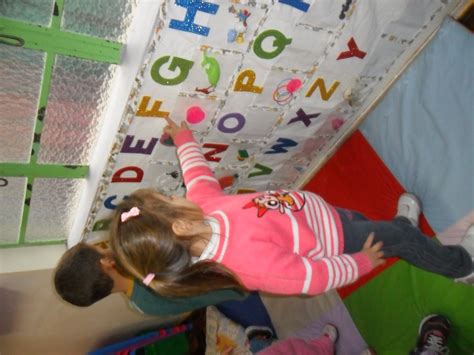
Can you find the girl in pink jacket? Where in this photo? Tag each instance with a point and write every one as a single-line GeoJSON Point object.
{"type": "Point", "coordinates": [281, 242]}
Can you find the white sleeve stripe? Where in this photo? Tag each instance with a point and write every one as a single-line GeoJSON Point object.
{"type": "Point", "coordinates": [337, 272]}
{"type": "Point", "coordinates": [350, 268]}
{"type": "Point", "coordinates": [347, 270]}
{"type": "Point", "coordinates": [342, 271]}
{"type": "Point", "coordinates": [203, 177]}
{"type": "Point", "coordinates": [316, 254]}
{"type": "Point", "coordinates": [296, 233]}
{"type": "Point", "coordinates": [187, 145]}
{"type": "Point", "coordinates": [330, 274]}
{"type": "Point", "coordinates": [193, 165]}
{"type": "Point", "coordinates": [354, 268]}
{"type": "Point", "coordinates": [319, 246]}
{"type": "Point", "coordinates": [327, 231]}
{"type": "Point", "coordinates": [189, 149]}
{"type": "Point", "coordinates": [226, 234]}
{"type": "Point", "coordinates": [309, 275]}
{"type": "Point", "coordinates": [317, 218]}
{"type": "Point", "coordinates": [187, 156]}
{"type": "Point", "coordinates": [192, 160]}
{"type": "Point", "coordinates": [331, 225]}
{"type": "Point", "coordinates": [307, 214]}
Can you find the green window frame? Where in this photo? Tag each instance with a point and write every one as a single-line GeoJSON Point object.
{"type": "Point", "coordinates": [52, 41]}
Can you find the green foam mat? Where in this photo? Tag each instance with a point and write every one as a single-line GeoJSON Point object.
{"type": "Point", "coordinates": [388, 309]}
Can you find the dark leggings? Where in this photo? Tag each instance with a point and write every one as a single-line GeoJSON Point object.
{"type": "Point", "coordinates": [400, 238]}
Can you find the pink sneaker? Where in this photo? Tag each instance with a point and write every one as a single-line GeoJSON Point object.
{"type": "Point", "coordinates": [409, 206]}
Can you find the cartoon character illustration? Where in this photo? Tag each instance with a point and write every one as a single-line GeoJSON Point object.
{"type": "Point", "coordinates": [237, 33]}
{"type": "Point", "coordinates": [282, 201]}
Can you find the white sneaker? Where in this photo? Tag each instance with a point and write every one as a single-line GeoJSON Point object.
{"type": "Point", "coordinates": [468, 240]}
{"type": "Point", "coordinates": [409, 206]}
{"type": "Point", "coordinates": [469, 279]}
{"type": "Point", "coordinates": [331, 332]}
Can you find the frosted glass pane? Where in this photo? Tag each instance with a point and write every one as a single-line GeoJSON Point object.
{"type": "Point", "coordinates": [21, 71]}
{"type": "Point", "coordinates": [53, 208]}
{"type": "Point", "coordinates": [12, 197]}
{"type": "Point", "coordinates": [78, 97]}
{"type": "Point", "coordinates": [33, 11]}
{"type": "Point", "coordinates": [108, 19]}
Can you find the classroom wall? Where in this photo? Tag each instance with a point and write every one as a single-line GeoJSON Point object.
{"type": "Point", "coordinates": [33, 320]}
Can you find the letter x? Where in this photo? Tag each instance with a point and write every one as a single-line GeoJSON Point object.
{"type": "Point", "coordinates": [302, 116]}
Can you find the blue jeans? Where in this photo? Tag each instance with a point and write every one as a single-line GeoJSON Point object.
{"type": "Point", "coordinates": [401, 239]}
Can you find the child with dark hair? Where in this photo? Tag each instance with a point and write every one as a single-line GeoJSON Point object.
{"type": "Point", "coordinates": [88, 273]}
{"type": "Point", "coordinates": [80, 279]}
{"type": "Point", "coordinates": [281, 242]}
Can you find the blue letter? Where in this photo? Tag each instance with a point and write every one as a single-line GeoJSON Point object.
{"type": "Point", "coordinates": [280, 148]}
{"type": "Point", "coordinates": [193, 7]}
{"type": "Point", "coordinates": [300, 5]}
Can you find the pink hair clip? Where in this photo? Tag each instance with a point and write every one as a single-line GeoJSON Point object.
{"type": "Point", "coordinates": [134, 211]}
{"type": "Point", "coordinates": [148, 279]}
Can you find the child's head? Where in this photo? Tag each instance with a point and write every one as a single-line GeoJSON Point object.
{"type": "Point", "coordinates": [79, 277]}
{"type": "Point", "coordinates": [146, 237]}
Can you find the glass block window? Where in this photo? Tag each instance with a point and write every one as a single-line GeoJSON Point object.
{"type": "Point", "coordinates": [54, 89]}
{"type": "Point", "coordinates": [107, 19]}
{"type": "Point", "coordinates": [52, 209]}
{"type": "Point", "coordinates": [21, 71]}
{"type": "Point", "coordinates": [12, 195]}
{"type": "Point", "coordinates": [33, 11]}
{"type": "Point", "coordinates": [78, 97]}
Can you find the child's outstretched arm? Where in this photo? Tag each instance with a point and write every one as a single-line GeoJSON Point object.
{"type": "Point", "coordinates": [284, 272]}
{"type": "Point", "coordinates": [198, 177]}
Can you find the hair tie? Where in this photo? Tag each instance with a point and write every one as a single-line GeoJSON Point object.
{"type": "Point", "coordinates": [134, 211]}
{"type": "Point", "coordinates": [148, 279]}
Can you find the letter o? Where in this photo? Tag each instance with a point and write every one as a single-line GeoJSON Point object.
{"type": "Point", "coordinates": [240, 123]}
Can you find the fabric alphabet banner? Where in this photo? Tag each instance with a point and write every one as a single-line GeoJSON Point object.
{"type": "Point", "coordinates": [267, 86]}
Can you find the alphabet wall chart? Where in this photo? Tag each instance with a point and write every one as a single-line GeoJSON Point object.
{"type": "Point", "coordinates": [267, 86]}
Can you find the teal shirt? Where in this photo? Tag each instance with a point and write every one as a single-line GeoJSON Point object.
{"type": "Point", "coordinates": [146, 301]}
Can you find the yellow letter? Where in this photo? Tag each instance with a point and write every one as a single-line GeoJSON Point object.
{"type": "Point", "coordinates": [319, 83]}
{"type": "Point", "coordinates": [143, 110]}
{"type": "Point", "coordinates": [245, 82]}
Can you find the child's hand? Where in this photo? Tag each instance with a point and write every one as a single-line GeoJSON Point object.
{"type": "Point", "coordinates": [172, 129]}
{"type": "Point", "coordinates": [374, 252]}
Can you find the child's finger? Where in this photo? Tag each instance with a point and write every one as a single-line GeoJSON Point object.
{"type": "Point", "coordinates": [184, 125]}
{"type": "Point", "coordinates": [368, 242]}
{"type": "Point", "coordinates": [377, 246]}
{"type": "Point", "coordinates": [170, 122]}
{"type": "Point", "coordinates": [380, 262]}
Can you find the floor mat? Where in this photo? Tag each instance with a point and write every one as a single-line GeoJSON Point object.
{"type": "Point", "coordinates": [349, 341]}
{"type": "Point", "coordinates": [388, 308]}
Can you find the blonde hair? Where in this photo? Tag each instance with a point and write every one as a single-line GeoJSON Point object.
{"type": "Point", "coordinates": [147, 244]}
